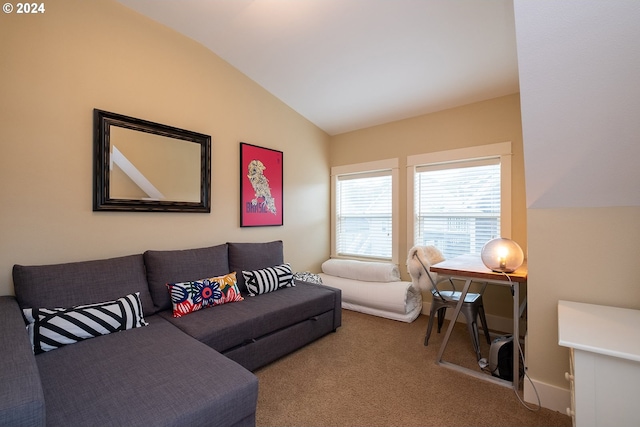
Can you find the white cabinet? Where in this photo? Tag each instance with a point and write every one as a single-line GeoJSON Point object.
{"type": "Point", "coordinates": [605, 363]}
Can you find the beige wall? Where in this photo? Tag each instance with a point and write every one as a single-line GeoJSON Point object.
{"type": "Point", "coordinates": [578, 62]}
{"type": "Point", "coordinates": [487, 122]}
{"type": "Point", "coordinates": [581, 254]}
{"type": "Point", "coordinates": [81, 55]}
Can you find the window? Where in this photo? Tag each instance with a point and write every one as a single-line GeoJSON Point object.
{"type": "Point", "coordinates": [459, 198]}
{"type": "Point", "coordinates": [364, 204]}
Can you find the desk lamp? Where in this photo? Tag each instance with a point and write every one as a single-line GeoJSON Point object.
{"type": "Point", "coordinates": [502, 255]}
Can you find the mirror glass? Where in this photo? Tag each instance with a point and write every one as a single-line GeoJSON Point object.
{"type": "Point", "coordinates": [143, 165]}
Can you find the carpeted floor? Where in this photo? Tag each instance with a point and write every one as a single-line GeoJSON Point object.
{"type": "Point", "coordinates": [377, 372]}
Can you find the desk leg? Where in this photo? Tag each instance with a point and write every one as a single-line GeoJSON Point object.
{"type": "Point", "coordinates": [452, 323]}
{"type": "Point", "coordinates": [516, 336]}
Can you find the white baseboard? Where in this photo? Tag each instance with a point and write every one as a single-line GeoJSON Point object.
{"type": "Point", "coordinates": [551, 397]}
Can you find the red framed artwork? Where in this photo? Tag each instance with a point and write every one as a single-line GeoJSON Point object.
{"type": "Point", "coordinates": [260, 186]}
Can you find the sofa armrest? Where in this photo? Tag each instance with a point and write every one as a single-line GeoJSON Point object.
{"type": "Point", "coordinates": [21, 395]}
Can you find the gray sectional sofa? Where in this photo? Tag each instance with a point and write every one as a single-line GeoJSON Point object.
{"type": "Point", "coordinates": [193, 370]}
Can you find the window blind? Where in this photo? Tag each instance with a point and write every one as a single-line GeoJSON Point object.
{"type": "Point", "coordinates": [364, 215]}
{"type": "Point", "coordinates": [457, 205]}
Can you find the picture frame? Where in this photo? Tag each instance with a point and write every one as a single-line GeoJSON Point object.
{"type": "Point", "coordinates": [261, 186]}
{"type": "Point", "coordinates": [143, 166]}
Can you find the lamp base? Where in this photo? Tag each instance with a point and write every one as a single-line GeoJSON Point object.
{"type": "Point", "coordinates": [502, 271]}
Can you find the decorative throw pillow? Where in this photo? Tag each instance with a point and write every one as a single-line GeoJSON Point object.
{"type": "Point", "coordinates": [188, 297]}
{"type": "Point", "coordinates": [49, 329]}
{"type": "Point", "coordinates": [307, 277]}
{"type": "Point", "coordinates": [268, 279]}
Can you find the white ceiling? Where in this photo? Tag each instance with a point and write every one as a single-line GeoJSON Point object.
{"type": "Point", "coordinates": [351, 64]}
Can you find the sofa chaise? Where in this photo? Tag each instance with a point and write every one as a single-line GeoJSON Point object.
{"type": "Point", "coordinates": [159, 369]}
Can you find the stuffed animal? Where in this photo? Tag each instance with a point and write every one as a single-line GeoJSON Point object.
{"type": "Point", "coordinates": [429, 255]}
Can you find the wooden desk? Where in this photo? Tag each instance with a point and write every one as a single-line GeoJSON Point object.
{"type": "Point", "coordinates": [470, 268]}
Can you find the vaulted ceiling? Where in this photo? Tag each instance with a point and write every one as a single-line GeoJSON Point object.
{"type": "Point", "coordinates": [351, 64]}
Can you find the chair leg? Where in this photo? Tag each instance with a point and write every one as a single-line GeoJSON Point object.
{"type": "Point", "coordinates": [429, 326]}
{"type": "Point", "coordinates": [442, 311]}
{"type": "Point", "coordinates": [483, 320]}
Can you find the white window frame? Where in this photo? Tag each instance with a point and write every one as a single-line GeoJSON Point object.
{"type": "Point", "coordinates": [501, 150]}
{"type": "Point", "coordinates": [362, 168]}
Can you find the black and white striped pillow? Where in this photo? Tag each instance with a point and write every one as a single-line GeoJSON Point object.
{"type": "Point", "coordinates": [53, 328]}
{"type": "Point", "coordinates": [268, 279]}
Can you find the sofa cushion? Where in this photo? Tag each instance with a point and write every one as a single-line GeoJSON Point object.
{"type": "Point", "coordinates": [164, 267]}
{"type": "Point", "coordinates": [268, 279]}
{"type": "Point", "coordinates": [78, 283]}
{"type": "Point", "coordinates": [49, 329]}
{"type": "Point", "coordinates": [254, 256]}
{"type": "Point", "coordinates": [151, 376]}
{"type": "Point", "coordinates": [231, 325]}
{"type": "Point", "coordinates": [188, 297]}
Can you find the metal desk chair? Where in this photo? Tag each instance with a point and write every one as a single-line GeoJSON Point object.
{"type": "Point", "coordinates": [472, 307]}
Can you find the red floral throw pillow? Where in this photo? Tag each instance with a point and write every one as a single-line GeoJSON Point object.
{"type": "Point", "coordinates": [187, 297]}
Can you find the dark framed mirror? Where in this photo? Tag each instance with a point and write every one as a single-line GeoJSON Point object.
{"type": "Point", "coordinates": [146, 166]}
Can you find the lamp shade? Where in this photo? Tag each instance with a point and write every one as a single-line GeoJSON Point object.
{"type": "Point", "coordinates": [502, 255]}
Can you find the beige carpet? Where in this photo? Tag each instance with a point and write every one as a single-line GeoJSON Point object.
{"type": "Point", "coordinates": [377, 372]}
